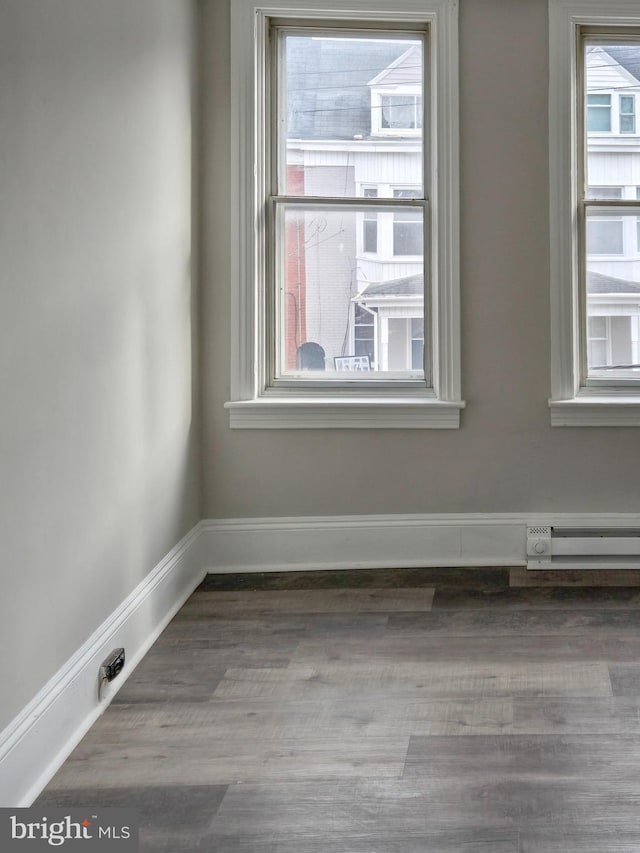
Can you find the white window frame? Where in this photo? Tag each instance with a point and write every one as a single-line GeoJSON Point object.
{"type": "Point", "coordinates": [574, 401]}
{"type": "Point", "coordinates": [255, 405]}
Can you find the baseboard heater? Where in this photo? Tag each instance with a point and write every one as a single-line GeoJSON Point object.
{"type": "Point", "coordinates": [558, 548]}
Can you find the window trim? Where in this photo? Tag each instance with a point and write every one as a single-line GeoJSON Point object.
{"type": "Point", "coordinates": [252, 404]}
{"type": "Point", "coordinates": [572, 402]}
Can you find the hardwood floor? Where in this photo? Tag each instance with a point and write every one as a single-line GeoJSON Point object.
{"type": "Point", "coordinates": [400, 711]}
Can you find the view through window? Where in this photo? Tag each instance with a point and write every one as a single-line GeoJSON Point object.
{"type": "Point", "coordinates": [349, 207]}
{"type": "Point", "coordinates": [612, 228]}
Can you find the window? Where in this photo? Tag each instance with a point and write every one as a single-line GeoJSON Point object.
{"type": "Point", "coordinates": [595, 299]}
{"type": "Point", "coordinates": [627, 114]}
{"type": "Point", "coordinates": [407, 227]}
{"type": "Point", "coordinates": [314, 296]}
{"type": "Point", "coordinates": [401, 112]}
{"type": "Point", "coordinates": [365, 333]}
{"type": "Point", "coordinates": [599, 113]}
{"type": "Point", "coordinates": [397, 102]}
{"type": "Point", "coordinates": [604, 192]}
{"type": "Point", "coordinates": [604, 236]}
{"type": "Point", "coordinates": [370, 224]}
{"type": "Point", "coordinates": [417, 340]}
{"type": "Point", "coordinates": [598, 338]}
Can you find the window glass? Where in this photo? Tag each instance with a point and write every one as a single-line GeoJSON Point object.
{"type": "Point", "coordinates": [364, 333]}
{"type": "Point", "coordinates": [370, 224]}
{"type": "Point", "coordinates": [612, 238]}
{"type": "Point", "coordinates": [336, 294]}
{"type": "Point", "coordinates": [613, 297]}
{"type": "Point", "coordinates": [407, 232]}
{"type": "Point", "coordinates": [330, 82]}
{"type": "Point", "coordinates": [401, 112]}
{"type": "Point", "coordinates": [604, 192]}
{"type": "Point", "coordinates": [417, 342]}
{"type": "Point", "coordinates": [604, 236]}
{"type": "Point", "coordinates": [322, 285]}
{"type": "Point", "coordinates": [407, 226]}
{"type": "Point", "coordinates": [627, 114]}
{"type": "Point", "coordinates": [598, 113]}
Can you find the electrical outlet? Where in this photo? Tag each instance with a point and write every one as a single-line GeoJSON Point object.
{"type": "Point", "coordinates": [112, 665]}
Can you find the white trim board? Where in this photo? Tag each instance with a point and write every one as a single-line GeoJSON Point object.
{"type": "Point", "coordinates": [38, 740]}
{"type": "Point", "coordinates": [377, 541]}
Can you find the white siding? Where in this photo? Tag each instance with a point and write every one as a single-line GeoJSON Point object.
{"type": "Point", "coordinates": [385, 167]}
{"type": "Point", "coordinates": [606, 73]}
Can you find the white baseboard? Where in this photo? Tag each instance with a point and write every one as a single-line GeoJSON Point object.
{"type": "Point", "coordinates": [37, 742]}
{"type": "Point", "coordinates": [389, 541]}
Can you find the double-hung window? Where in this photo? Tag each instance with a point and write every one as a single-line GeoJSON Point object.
{"type": "Point", "coordinates": [627, 113]}
{"type": "Point", "coordinates": [594, 160]}
{"type": "Point", "coordinates": [345, 296]}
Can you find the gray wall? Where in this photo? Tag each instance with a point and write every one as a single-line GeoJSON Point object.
{"type": "Point", "coordinates": [98, 431]}
{"type": "Point", "coordinates": [506, 456]}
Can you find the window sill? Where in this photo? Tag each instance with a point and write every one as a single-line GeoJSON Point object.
{"type": "Point", "coordinates": [596, 411]}
{"type": "Point", "coordinates": [344, 413]}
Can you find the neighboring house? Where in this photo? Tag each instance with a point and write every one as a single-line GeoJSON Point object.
{"type": "Point", "coordinates": [613, 307]}
{"type": "Point", "coordinates": [396, 308]}
{"type": "Point", "coordinates": [354, 282]}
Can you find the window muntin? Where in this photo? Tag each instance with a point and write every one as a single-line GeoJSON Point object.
{"type": "Point", "coordinates": [316, 214]}
{"type": "Point", "coordinates": [610, 270]}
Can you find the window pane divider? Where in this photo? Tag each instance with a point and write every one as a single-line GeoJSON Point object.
{"type": "Point", "coordinates": [353, 201]}
{"type": "Point", "coordinates": [612, 205]}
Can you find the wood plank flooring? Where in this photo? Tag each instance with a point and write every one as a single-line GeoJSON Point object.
{"type": "Point", "coordinates": [399, 711]}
